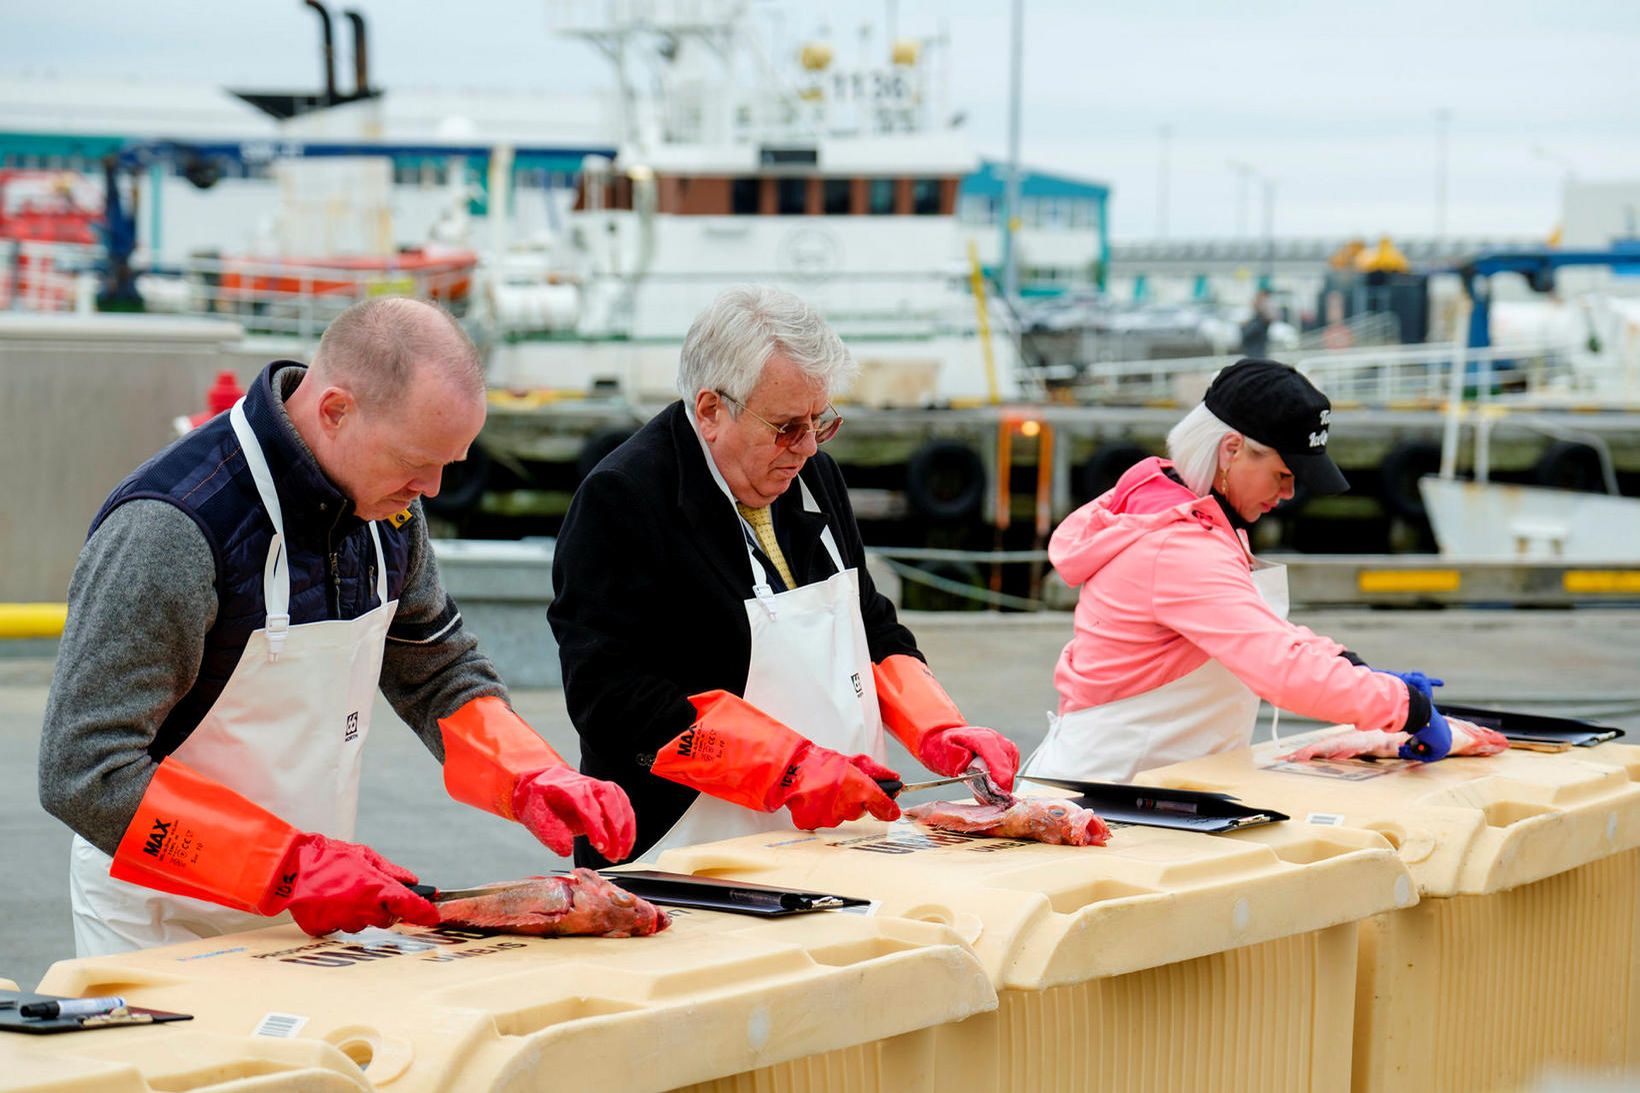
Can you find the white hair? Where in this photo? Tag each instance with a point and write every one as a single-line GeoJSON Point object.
{"type": "Point", "coordinates": [729, 343]}
{"type": "Point", "coordinates": [1193, 446]}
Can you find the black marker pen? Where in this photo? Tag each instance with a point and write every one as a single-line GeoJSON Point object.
{"type": "Point", "coordinates": [72, 1007]}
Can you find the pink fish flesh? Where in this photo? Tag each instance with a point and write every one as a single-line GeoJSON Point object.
{"type": "Point", "coordinates": [583, 905]}
{"type": "Point", "coordinates": [1039, 819]}
{"type": "Point", "coordinates": [1467, 739]}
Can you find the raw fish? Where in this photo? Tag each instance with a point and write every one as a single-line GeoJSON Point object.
{"type": "Point", "coordinates": [1040, 819]}
{"type": "Point", "coordinates": [581, 905]}
{"type": "Point", "coordinates": [1467, 739]}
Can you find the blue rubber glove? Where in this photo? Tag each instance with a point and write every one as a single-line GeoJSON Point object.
{"type": "Point", "coordinates": [1434, 740]}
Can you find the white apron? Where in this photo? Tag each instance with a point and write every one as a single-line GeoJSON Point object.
{"type": "Point", "coordinates": [810, 669]}
{"type": "Point", "coordinates": [287, 732]}
{"type": "Point", "coordinates": [1201, 713]}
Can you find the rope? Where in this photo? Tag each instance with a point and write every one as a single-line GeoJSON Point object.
{"type": "Point", "coordinates": [957, 588]}
{"type": "Point", "coordinates": [933, 554]}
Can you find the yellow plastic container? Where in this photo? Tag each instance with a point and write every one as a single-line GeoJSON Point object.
{"type": "Point", "coordinates": [417, 1009]}
{"type": "Point", "coordinates": [144, 1060]}
{"type": "Point", "coordinates": [1166, 960]}
{"type": "Point", "coordinates": [1524, 952]}
{"type": "Point", "coordinates": [168, 1057]}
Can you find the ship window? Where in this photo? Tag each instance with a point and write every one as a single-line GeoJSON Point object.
{"type": "Point", "coordinates": [792, 196]}
{"type": "Point", "coordinates": [838, 196]}
{"type": "Point", "coordinates": [880, 196]}
{"type": "Point", "coordinates": [925, 196]}
{"type": "Point", "coordinates": [743, 196]}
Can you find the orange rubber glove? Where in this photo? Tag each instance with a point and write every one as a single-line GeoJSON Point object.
{"type": "Point", "coordinates": [193, 836]}
{"type": "Point", "coordinates": [496, 762]}
{"type": "Point", "coordinates": [737, 753]}
{"type": "Point", "coordinates": [922, 716]}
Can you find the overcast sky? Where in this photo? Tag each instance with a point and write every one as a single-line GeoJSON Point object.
{"type": "Point", "coordinates": [1336, 102]}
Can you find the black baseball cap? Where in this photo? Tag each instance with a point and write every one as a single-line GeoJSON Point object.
{"type": "Point", "coordinates": [1275, 405]}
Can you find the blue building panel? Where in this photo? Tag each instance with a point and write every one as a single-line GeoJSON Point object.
{"type": "Point", "coordinates": [992, 178]}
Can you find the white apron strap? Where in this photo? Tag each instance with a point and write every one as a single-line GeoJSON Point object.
{"type": "Point", "coordinates": [760, 579]}
{"type": "Point", "coordinates": [381, 565]}
{"type": "Point", "coordinates": [276, 571]}
{"type": "Point", "coordinates": [810, 505]}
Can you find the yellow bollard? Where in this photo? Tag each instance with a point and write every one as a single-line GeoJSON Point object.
{"type": "Point", "coordinates": [32, 620]}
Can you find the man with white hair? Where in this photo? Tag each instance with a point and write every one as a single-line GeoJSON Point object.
{"type": "Point", "coordinates": [240, 598]}
{"type": "Point", "coordinates": [726, 658]}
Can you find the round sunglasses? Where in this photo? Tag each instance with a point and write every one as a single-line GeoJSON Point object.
{"type": "Point", "coordinates": [823, 427]}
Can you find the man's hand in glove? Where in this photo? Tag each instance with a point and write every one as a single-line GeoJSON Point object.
{"type": "Point", "coordinates": [496, 762]}
{"type": "Point", "coordinates": [737, 753]}
{"type": "Point", "coordinates": [952, 751]}
{"type": "Point", "coordinates": [328, 885]}
{"type": "Point", "coordinates": [558, 803]}
{"type": "Point", "coordinates": [829, 788]}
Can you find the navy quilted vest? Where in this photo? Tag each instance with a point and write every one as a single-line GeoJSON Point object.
{"type": "Point", "coordinates": [332, 560]}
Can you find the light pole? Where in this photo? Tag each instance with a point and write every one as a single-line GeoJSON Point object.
{"type": "Point", "coordinates": [1269, 229]}
{"type": "Point", "coordinates": [1443, 119]}
{"type": "Point", "coordinates": [1010, 193]}
{"type": "Point", "coordinates": [1166, 135]}
{"type": "Point", "coordinates": [1244, 172]}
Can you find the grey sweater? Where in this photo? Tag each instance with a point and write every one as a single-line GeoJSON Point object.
{"type": "Point", "coordinates": [142, 598]}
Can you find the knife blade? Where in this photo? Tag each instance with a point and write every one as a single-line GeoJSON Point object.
{"type": "Point", "coordinates": [976, 778]}
{"type": "Point", "coordinates": [446, 895]}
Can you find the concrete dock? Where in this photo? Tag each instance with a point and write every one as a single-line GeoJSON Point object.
{"type": "Point", "coordinates": [998, 668]}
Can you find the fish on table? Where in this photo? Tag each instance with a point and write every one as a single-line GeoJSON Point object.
{"type": "Point", "coordinates": [1039, 819]}
{"type": "Point", "coordinates": [1467, 739]}
{"type": "Point", "coordinates": [583, 904]}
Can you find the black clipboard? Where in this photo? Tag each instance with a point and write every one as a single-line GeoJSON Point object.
{"type": "Point", "coordinates": [717, 894]}
{"type": "Point", "coordinates": [1158, 806]}
{"type": "Point", "coordinates": [1533, 728]}
{"type": "Point", "coordinates": [13, 1021]}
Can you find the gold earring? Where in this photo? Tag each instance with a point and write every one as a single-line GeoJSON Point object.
{"type": "Point", "coordinates": [1224, 479]}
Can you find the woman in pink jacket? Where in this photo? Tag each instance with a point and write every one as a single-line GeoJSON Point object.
{"type": "Point", "coordinates": [1179, 629]}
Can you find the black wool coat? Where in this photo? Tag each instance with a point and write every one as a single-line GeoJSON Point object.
{"type": "Point", "coordinates": [650, 579]}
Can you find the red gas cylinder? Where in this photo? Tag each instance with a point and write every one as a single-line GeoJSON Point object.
{"type": "Point", "coordinates": [222, 395]}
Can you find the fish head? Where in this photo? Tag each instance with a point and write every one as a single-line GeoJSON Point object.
{"type": "Point", "coordinates": [623, 913]}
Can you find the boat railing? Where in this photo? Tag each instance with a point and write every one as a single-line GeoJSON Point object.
{"type": "Point", "coordinates": [1406, 376]}
{"type": "Point", "coordinates": [266, 295]}
{"type": "Point", "coordinates": [1420, 376]}
{"type": "Point", "coordinates": [43, 276]}
{"type": "Point", "coordinates": [295, 299]}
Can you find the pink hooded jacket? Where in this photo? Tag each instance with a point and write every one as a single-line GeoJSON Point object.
{"type": "Point", "coordinates": [1167, 584]}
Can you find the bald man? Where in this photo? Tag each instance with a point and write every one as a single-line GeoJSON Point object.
{"type": "Point", "coordinates": [239, 600]}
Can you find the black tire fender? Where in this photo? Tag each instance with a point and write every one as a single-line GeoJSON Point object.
{"type": "Point", "coordinates": [1398, 476]}
{"type": "Point", "coordinates": [596, 447]}
{"type": "Point", "coordinates": [945, 481]}
{"type": "Point", "coordinates": [1570, 465]}
{"type": "Point", "coordinates": [463, 484]}
{"type": "Point", "coordinates": [1100, 471]}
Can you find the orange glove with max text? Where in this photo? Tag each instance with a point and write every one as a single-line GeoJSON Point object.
{"type": "Point", "coordinates": [193, 836]}
{"type": "Point", "coordinates": [737, 753]}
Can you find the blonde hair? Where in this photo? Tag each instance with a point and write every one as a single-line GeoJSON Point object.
{"type": "Point", "coordinates": [1193, 446]}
